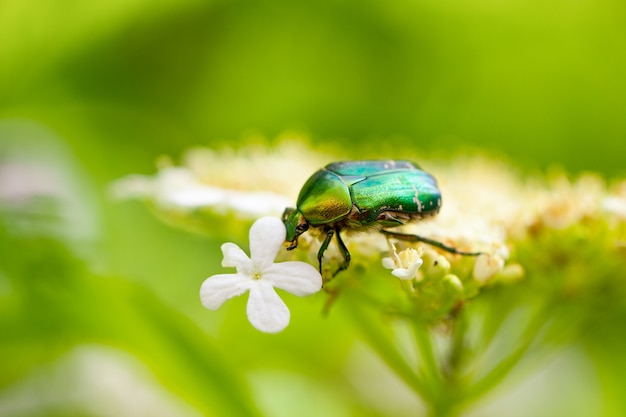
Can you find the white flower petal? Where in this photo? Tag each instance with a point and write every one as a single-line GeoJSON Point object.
{"type": "Point", "coordinates": [406, 273]}
{"type": "Point", "coordinates": [615, 205]}
{"type": "Point", "coordinates": [267, 235]}
{"type": "Point", "coordinates": [296, 277]}
{"type": "Point", "coordinates": [219, 288]}
{"type": "Point", "coordinates": [194, 197]}
{"type": "Point", "coordinates": [266, 311]}
{"type": "Point", "coordinates": [486, 266]}
{"type": "Point", "coordinates": [389, 263]}
{"type": "Point", "coordinates": [254, 204]}
{"type": "Point", "coordinates": [404, 264]}
{"type": "Point", "coordinates": [235, 256]}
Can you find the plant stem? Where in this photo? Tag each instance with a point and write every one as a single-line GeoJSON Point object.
{"type": "Point", "coordinates": [380, 340]}
{"type": "Point", "coordinates": [426, 353]}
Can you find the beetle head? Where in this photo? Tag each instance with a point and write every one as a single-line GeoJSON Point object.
{"type": "Point", "coordinates": [296, 224]}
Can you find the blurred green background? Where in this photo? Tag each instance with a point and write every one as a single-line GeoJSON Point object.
{"type": "Point", "coordinates": [93, 91]}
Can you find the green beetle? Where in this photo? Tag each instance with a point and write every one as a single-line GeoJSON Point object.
{"type": "Point", "coordinates": [361, 195]}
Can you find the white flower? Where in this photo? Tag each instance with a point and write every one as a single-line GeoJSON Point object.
{"type": "Point", "coordinates": [404, 264]}
{"type": "Point", "coordinates": [179, 188]}
{"type": "Point", "coordinates": [491, 263]}
{"type": "Point", "coordinates": [486, 266]}
{"type": "Point", "coordinates": [260, 275]}
{"type": "Point", "coordinates": [615, 205]}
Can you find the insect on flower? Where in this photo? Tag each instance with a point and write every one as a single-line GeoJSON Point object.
{"type": "Point", "coordinates": [365, 195]}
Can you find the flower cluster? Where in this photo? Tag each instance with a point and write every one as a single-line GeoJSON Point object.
{"type": "Point", "coordinates": [487, 207]}
{"type": "Point", "coordinates": [250, 183]}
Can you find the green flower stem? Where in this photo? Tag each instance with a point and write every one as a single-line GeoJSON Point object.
{"type": "Point", "coordinates": [381, 341]}
{"type": "Point", "coordinates": [504, 366]}
{"type": "Point", "coordinates": [426, 353]}
{"type": "Point", "coordinates": [443, 402]}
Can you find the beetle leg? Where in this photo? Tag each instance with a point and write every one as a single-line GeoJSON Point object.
{"type": "Point", "coordinates": [320, 253]}
{"type": "Point", "coordinates": [344, 252]}
{"type": "Point", "coordinates": [415, 238]}
{"type": "Point", "coordinates": [293, 244]}
{"type": "Point", "coordinates": [393, 219]}
{"type": "Point", "coordinates": [342, 248]}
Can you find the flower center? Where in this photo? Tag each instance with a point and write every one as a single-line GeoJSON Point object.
{"type": "Point", "coordinates": [256, 276]}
